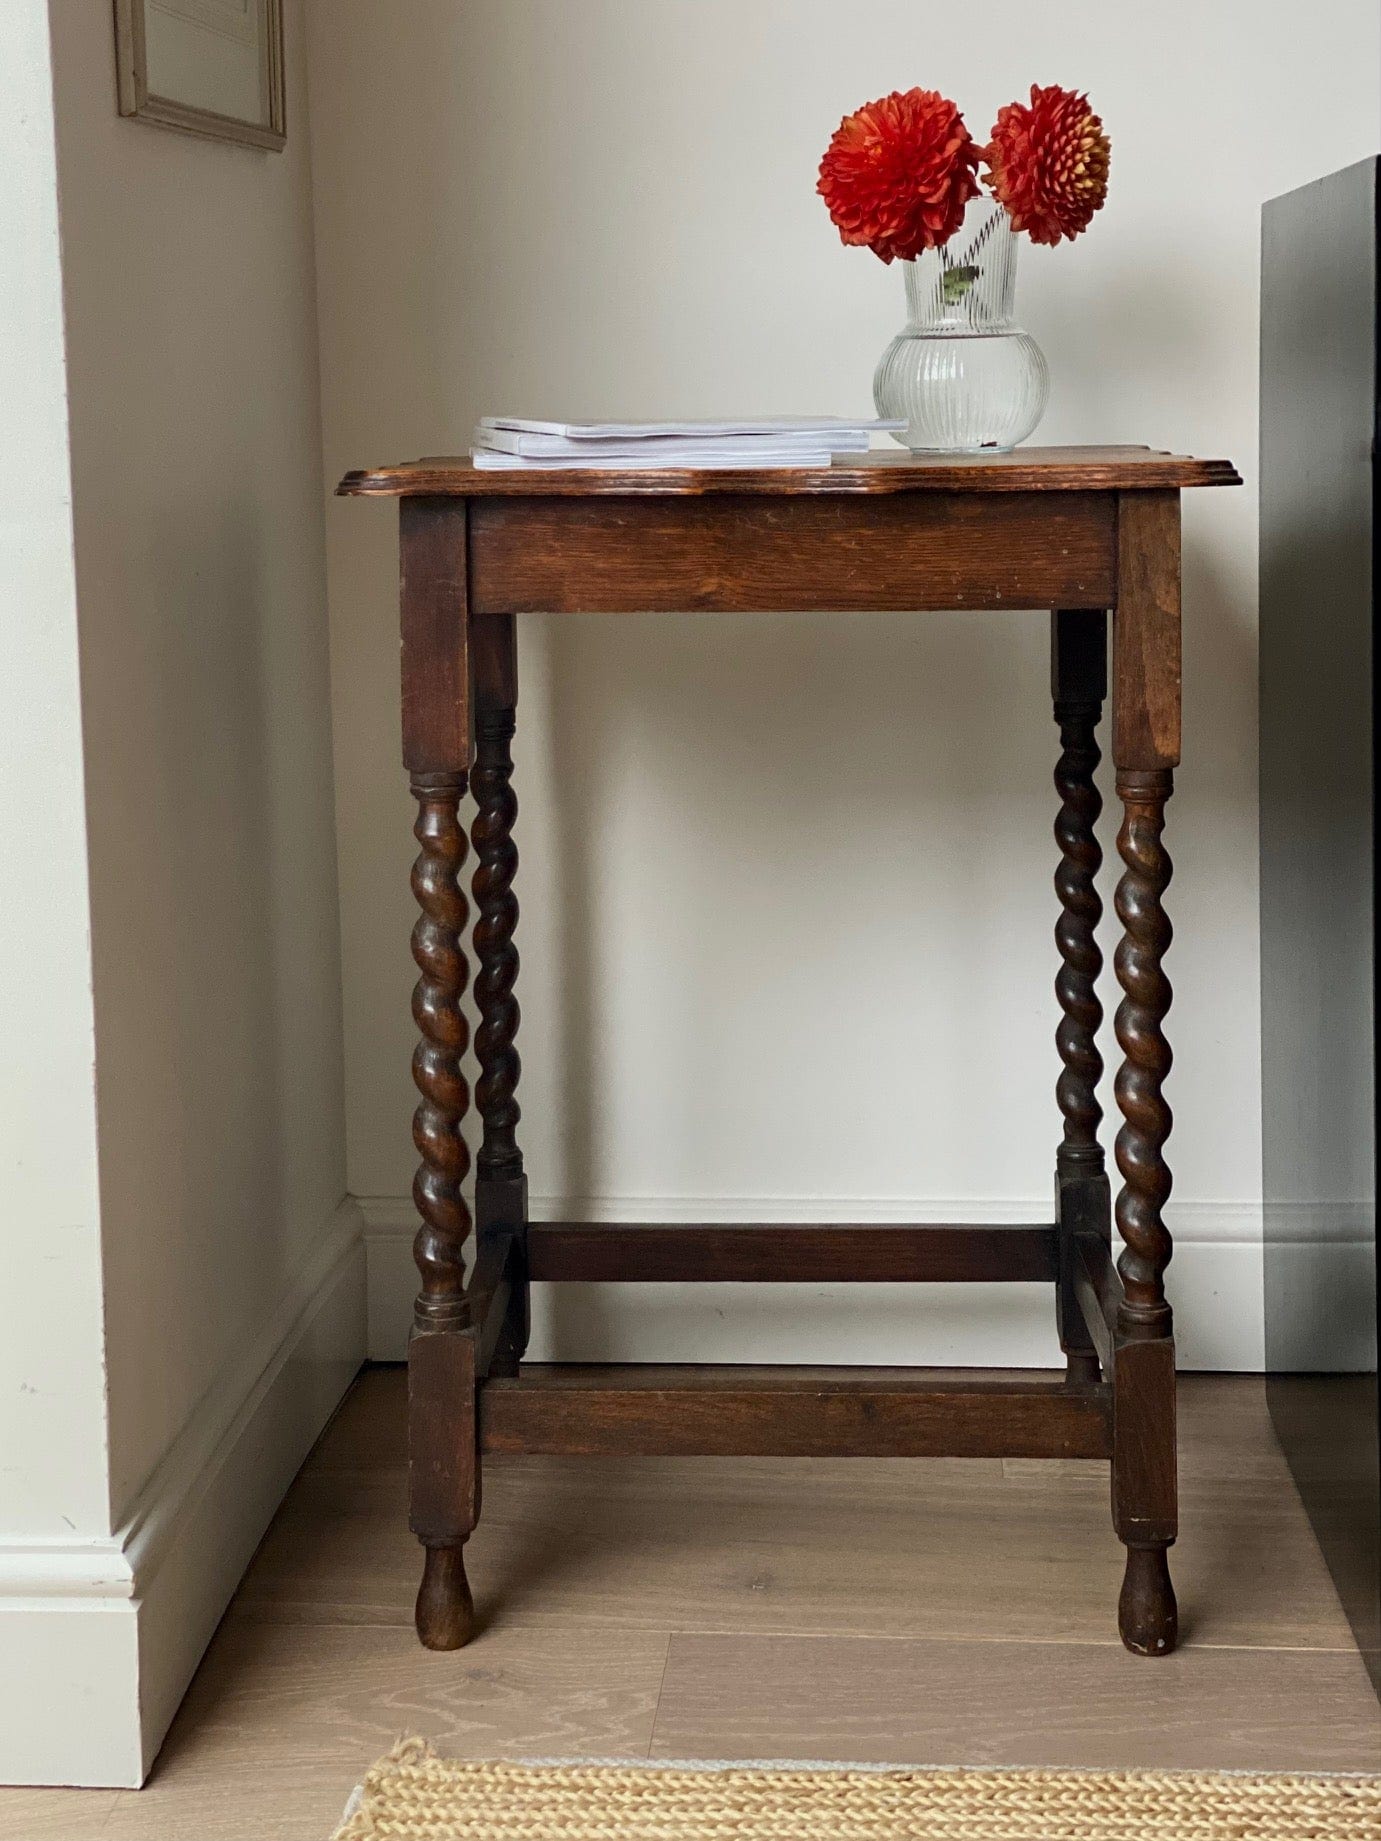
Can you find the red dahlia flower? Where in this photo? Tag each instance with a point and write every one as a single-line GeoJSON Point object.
{"type": "Point", "coordinates": [898, 173]}
{"type": "Point", "coordinates": [1048, 164]}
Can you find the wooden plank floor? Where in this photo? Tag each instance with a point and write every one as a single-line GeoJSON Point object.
{"type": "Point", "coordinates": [915, 1611]}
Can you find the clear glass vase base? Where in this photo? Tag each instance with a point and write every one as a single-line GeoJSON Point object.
{"type": "Point", "coordinates": [962, 374]}
{"type": "Point", "coordinates": [982, 447]}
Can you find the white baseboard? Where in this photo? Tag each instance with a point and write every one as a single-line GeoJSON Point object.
{"type": "Point", "coordinates": [101, 1637]}
{"type": "Point", "coordinates": [1215, 1284]}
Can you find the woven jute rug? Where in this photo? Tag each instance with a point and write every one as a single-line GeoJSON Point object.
{"type": "Point", "coordinates": [412, 1795]}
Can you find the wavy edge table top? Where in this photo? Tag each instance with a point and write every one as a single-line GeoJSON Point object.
{"type": "Point", "coordinates": [1036, 469]}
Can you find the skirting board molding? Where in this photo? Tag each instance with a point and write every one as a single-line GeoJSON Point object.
{"type": "Point", "coordinates": [1215, 1284]}
{"type": "Point", "coordinates": [101, 1637]}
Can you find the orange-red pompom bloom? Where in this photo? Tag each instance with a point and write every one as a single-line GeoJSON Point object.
{"type": "Point", "coordinates": [1048, 164]}
{"type": "Point", "coordinates": [898, 173]}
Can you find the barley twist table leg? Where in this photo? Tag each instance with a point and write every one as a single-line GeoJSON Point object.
{"type": "Point", "coordinates": [1146, 1116]}
{"type": "Point", "coordinates": [497, 957]}
{"type": "Point", "coordinates": [439, 1248]}
{"type": "Point", "coordinates": [1144, 1454]}
{"type": "Point", "coordinates": [1078, 681]}
{"type": "Point", "coordinates": [500, 1185]}
{"type": "Point", "coordinates": [1076, 985]}
{"type": "Point", "coordinates": [444, 1614]}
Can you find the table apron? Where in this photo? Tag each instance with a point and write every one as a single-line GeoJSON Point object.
{"type": "Point", "coordinates": [741, 554]}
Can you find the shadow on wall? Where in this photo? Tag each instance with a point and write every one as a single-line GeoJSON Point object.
{"type": "Point", "coordinates": [187, 964]}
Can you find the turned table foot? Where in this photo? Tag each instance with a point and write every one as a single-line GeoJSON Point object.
{"type": "Point", "coordinates": [1147, 1615]}
{"type": "Point", "coordinates": [445, 1614]}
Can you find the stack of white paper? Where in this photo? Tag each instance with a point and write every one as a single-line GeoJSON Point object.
{"type": "Point", "coordinates": [763, 441]}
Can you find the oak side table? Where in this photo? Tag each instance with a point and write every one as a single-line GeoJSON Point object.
{"type": "Point", "coordinates": [1080, 531]}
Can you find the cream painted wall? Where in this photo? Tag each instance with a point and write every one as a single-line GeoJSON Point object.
{"type": "Point", "coordinates": [191, 322]}
{"type": "Point", "coordinates": [186, 1306]}
{"type": "Point", "coordinates": [786, 908]}
{"type": "Point", "coordinates": [52, 1454]}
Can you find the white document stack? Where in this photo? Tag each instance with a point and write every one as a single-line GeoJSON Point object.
{"type": "Point", "coordinates": [761, 441]}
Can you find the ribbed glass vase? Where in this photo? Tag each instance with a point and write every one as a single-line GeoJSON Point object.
{"type": "Point", "coordinates": [961, 372]}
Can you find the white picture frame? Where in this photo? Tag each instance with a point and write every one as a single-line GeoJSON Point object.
{"type": "Point", "coordinates": [208, 67]}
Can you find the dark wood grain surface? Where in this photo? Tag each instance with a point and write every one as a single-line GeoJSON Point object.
{"type": "Point", "coordinates": [686, 1411]}
{"type": "Point", "coordinates": [738, 553]}
{"type": "Point", "coordinates": [435, 659]}
{"type": "Point", "coordinates": [809, 1252]}
{"type": "Point", "coordinates": [1032, 469]}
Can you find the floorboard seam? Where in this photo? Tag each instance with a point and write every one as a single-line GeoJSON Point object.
{"type": "Point", "coordinates": [661, 1689]}
{"type": "Point", "coordinates": [813, 1634]}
